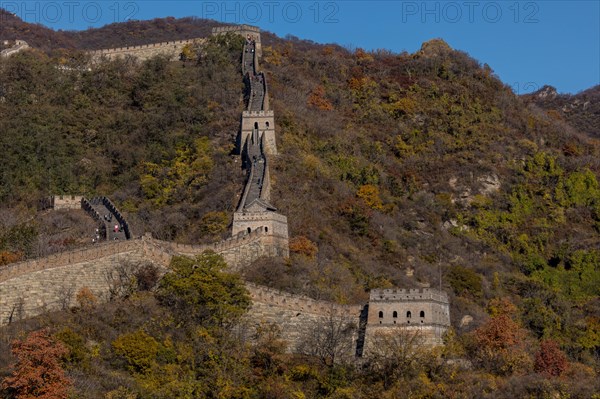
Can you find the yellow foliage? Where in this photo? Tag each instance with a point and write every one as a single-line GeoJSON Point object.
{"type": "Point", "coordinates": [186, 172]}
{"type": "Point", "coordinates": [272, 56]}
{"type": "Point", "coordinates": [370, 196]}
{"type": "Point", "coordinates": [214, 223]}
{"type": "Point", "coordinates": [501, 306]}
{"type": "Point", "coordinates": [303, 246]}
{"type": "Point", "coordinates": [121, 393]}
{"type": "Point", "coordinates": [86, 299]}
{"type": "Point", "coordinates": [399, 107]}
{"type": "Point", "coordinates": [139, 349]}
{"type": "Point", "coordinates": [188, 53]}
{"type": "Point", "coordinates": [362, 55]}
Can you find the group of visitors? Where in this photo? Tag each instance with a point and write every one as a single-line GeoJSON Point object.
{"type": "Point", "coordinates": [118, 228]}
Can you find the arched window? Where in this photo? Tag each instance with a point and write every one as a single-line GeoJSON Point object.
{"type": "Point", "coordinates": [381, 314]}
{"type": "Point", "coordinates": [267, 125]}
{"type": "Point", "coordinates": [249, 230]}
{"type": "Point", "coordinates": [408, 314]}
{"type": "Point", "coordinates": [256, 125]}
{"type": "Point", "coordinates": [266, 229]}
{"type": "Point", "coordinates": [395, 314]}
{"type": "Point", "coordinates": [422, 314]}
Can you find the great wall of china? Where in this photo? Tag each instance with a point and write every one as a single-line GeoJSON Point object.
{"type": "Point", "coordinates": [17, 47]}
{"type": "Point", "coordinates": [33, 287]}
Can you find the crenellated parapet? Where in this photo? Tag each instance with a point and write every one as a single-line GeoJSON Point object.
{"type": "Point", "coordinates": [298, 303]}
{"type": "Point", "coordinates": [172, 49]}
{"type": "Point", "coordinates": [408, 295]}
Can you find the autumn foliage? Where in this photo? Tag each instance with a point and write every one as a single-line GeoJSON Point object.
{"type": "Point", "coordinates": [304, 246]}
{"type": "Point", "coordinates": [550, 360]}
{"type": "Point", "coordinates": [318, 100]}
{"type": "Point", "coordinates": [7, 257]}
{"type": "Point", "coordinates": [38, 372]}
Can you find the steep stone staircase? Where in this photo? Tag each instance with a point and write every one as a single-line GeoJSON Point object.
{"type": "Point", "coordinates": [255, 159]}
{"type": "Point", "coordinates": [113, 226]}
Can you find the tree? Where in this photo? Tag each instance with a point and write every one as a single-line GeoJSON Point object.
{"type": "Point", "coordinates": [550, 360]}
{"type": "Point", "coordinates": [395, 354]}
{"type": "Point", "coordinates": [199, 291]}
{"type": "Point", "coordinates": [38, 372]}
{"type": "Point", "coordinates": [330, 338]}
{"type": "Point", "coordinates": [499, 345]}
{"type": "Point", "coordinates": [138, 348]}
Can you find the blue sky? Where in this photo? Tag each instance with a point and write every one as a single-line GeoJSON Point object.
{"type": "Point", "coordinates": [527, 43]}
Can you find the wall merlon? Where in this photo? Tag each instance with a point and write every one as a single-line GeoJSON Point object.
{"type": "Point", "coordinates": [254, 114]}
{"type": "Point", "coordinates": [408, 294]}
{"type": "Point", "coordinates": [235, 28]}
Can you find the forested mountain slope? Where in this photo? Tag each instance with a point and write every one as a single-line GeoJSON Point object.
{"type": "Point", "coordinates": [581, 110]}
{"type": "Point", "coordinates": [394, 169]}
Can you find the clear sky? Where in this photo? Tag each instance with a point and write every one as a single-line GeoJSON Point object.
{"type": "Point", "coordinates": [527, 43]}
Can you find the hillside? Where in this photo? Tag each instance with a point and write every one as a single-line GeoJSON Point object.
{"type": "Point", "coordinates": [130, 33]}
{"type": "Point", "coordinates": [393, 169]}
{"type": "Point", "coordinates": [582, 110]}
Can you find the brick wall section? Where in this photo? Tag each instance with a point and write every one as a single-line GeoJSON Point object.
{"type": "Point", "coordinates": [172, 49]}
{"type": "Point", "coordinates": [297, 317]}
{"type": "Point", "coordinates": [19, 46]}
{"type": "Point", "coordinates": [36, 285]}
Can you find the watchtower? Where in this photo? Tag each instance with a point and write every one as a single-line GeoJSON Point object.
{"type": "Point", "coordinates": [247, 31]}
{"type": "Point", "coordinates": [426, 310]}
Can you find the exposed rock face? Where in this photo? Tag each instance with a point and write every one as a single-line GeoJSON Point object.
{"type": "Point", "coordinates": [484, 185]}
{"type": "Point", "coordinates": [546, 92]}
{"type": "Point", "coordinates": [466, 320]}
{"type": "Point", "coordinates": [490, 184]}
{"type": "Point", "coordinates": [433, 48]}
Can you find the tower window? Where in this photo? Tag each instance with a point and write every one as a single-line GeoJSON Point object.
{"type": "Point", "coordinates": [381, 314]}
{"type": "Point", "coordinates": [408, 314]}
{"type": "Point", "coordinates": [395, 314]}
{"type": "Point", "coordinates": [422, 314]}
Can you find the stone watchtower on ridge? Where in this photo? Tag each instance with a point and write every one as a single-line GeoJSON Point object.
{"type": "Point", "coordinates": [426, 310]}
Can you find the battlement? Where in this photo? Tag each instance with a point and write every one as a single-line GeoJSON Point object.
{"type": "Point", "coordinates": [66, 258]}
{"type": "Point", "coordinates": [172, 49]}
{"type": "Point", "coordinates": [410, 294]}
{"type": "Point", "coordinates": [235, 28]}
{"type": "Point", "coordinates": [146, 46]}
{"type": "Point", "coordinates": [258, 114]}
{"type": "Point", "coordinates": [58, 202]}
{"type": "Point", "coordinates": [298, 303]}
{"type": "Point", "coordinates": [242, 238]}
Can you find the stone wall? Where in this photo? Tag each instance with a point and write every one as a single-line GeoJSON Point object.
{"type": "Point", "coordinates": [19, 46]}
{"type": "Point", "coordinates": [408, 306]}
{"type": "Point", "coordinates": [171, 49]}
{"type": "Point", "coordinates": [53, 288]}
{"type": "Point", "coordinates": [274, 223]}
{"type": "Point", "coordinates": [36, 286]}
{"type": "Point", "coordinates": [301, 319]}
{"type": "Point", "coordinates": [265, 121]}
{"type": "Point", "coordinates": [66, 202]}
{"type": "Point", "coordinates": [247, 31]}
{"type": "Point", "coordinates": [426, 310]}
